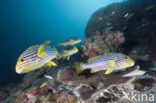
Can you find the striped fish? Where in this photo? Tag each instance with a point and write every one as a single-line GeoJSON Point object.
{"type": "Point", "coordinates": [36, 57]}
{"type": "Point", "coordinates": [67, 51]}
{"type": "Point", "coordinates": [69, 41]}
{"type": "Point", "coordinates": [109, 62]}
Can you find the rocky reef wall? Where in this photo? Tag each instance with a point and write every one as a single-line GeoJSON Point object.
{"type": "Point", "coordinates": [136, 20]}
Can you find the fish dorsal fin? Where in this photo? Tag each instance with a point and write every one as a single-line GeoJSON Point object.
{"type": "Point", "coordinates": [93, 71]}
{"type": "Point", "coordinates": [111, 63]}
{"type": "Point", "coordinates": [33, 46]}
{"type": "Point", "coordinates": [64, 51]}
{"type": "Point", "coordinates": [108, 71]}
{"type": "Point", "coordinates": [90, 59]}
{"type": "Point", "coordinates": [41, 49]}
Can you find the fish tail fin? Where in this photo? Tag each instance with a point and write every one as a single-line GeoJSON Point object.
{"type": "Point", "coordinates": [46, 42]}
{"type": "Point", "coordinates": [57, 44]}
{"type": "Point", "coordinates": [55, 48]}
{"type": "Point", "coordinates": [78, 68]}
{"type": "Point", "coordinates": [58, 55]}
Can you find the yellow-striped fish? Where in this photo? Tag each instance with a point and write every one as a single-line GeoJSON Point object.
{"type": "Point", "coordinates": [149, 7]}
{"type": "Point", "coordinates": [67, 51]}
{"type": "Point", "coordinates": [109, 62]}
{"type": "Point", "coordinates": [69, 41]}
{"type": "Point", "coordinates": [36, 57]}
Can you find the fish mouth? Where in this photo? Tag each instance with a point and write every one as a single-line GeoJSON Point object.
{"type": "Point", "coordinates": [19, 71]}
{"type": "Point", "coordinates": [132, 63]}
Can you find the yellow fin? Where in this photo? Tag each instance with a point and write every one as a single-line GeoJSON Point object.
{"type": "Point", "coordinates": [41, 49]}
{"type": "Point", "coordinates": [149, 7]}
{"type": "Point", "coordinates": [90, 59]}
{"type": "Point", "coordinates": [78, 69]}
{"type": "Point", "coordinates": [55, 48]}
{"type": "Point", "coordinates": [111, 63]}
{"type": "Point", "coordinates": [64, 57]}
{"type": "Point", "coordinates": [42, 85]}
{"type": "Point", "coordinates": [93, 71]}
{"type": "Point", "coordinates": [50, 63]}
{"type": "Point", "coordinates": [70, 40]}
{"type": "Point", "coordinates": [108, 71]}
{"type": "Point", "coordinates": [58, 56]}
{"type": "Point", "coordinates": [33, 46]}
{"type": "Point", "coordinates": [68, 57]}
{"type": "Point", "coordinates": [46, 42]}
{"type": "Point", "coordinates": [57, 44]}
{"type": "Point", "coordinates": [64, 51]}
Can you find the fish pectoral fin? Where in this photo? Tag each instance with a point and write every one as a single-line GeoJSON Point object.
{"type": "Point", "coordinates": [50, 63]}
{"type": "Point", "coordinates": [68, 57]}
{"type": "Point", "coordinates": [108, 71]}
{"type": "Point", "coordinates": [111, 63]}
{"type": "Point", "coordinates": [41, 51]}
{"type": "Point", "coordinates": [93, 71]}
{"type": "Point", "coordinates": [78, 69]}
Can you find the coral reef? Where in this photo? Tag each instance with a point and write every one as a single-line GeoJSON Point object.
{"type": "Point", "coordinates": [102, 43]}
{"type": "Point", "coordinates": [129, 14]}
{"type": "Point", "coordinates": [135, 19]}
{"type": "Point", "coordinates": [95, 83]}
{"type": "Point", "coordinates": [3, 93]}
{"type": "Point", "coordinates": [115, 28]}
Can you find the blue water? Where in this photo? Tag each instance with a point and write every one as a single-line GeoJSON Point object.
{"type": "Point", "coordinates": [27, 22]}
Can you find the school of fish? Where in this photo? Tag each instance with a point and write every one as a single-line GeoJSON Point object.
{"type": "Point", "coordinates": [38, 56]}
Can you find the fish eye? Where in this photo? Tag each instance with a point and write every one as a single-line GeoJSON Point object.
{"type": "Point", "coordinates": [22, 59]}
{"type": "Point", "coordinates": [126, 57]}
